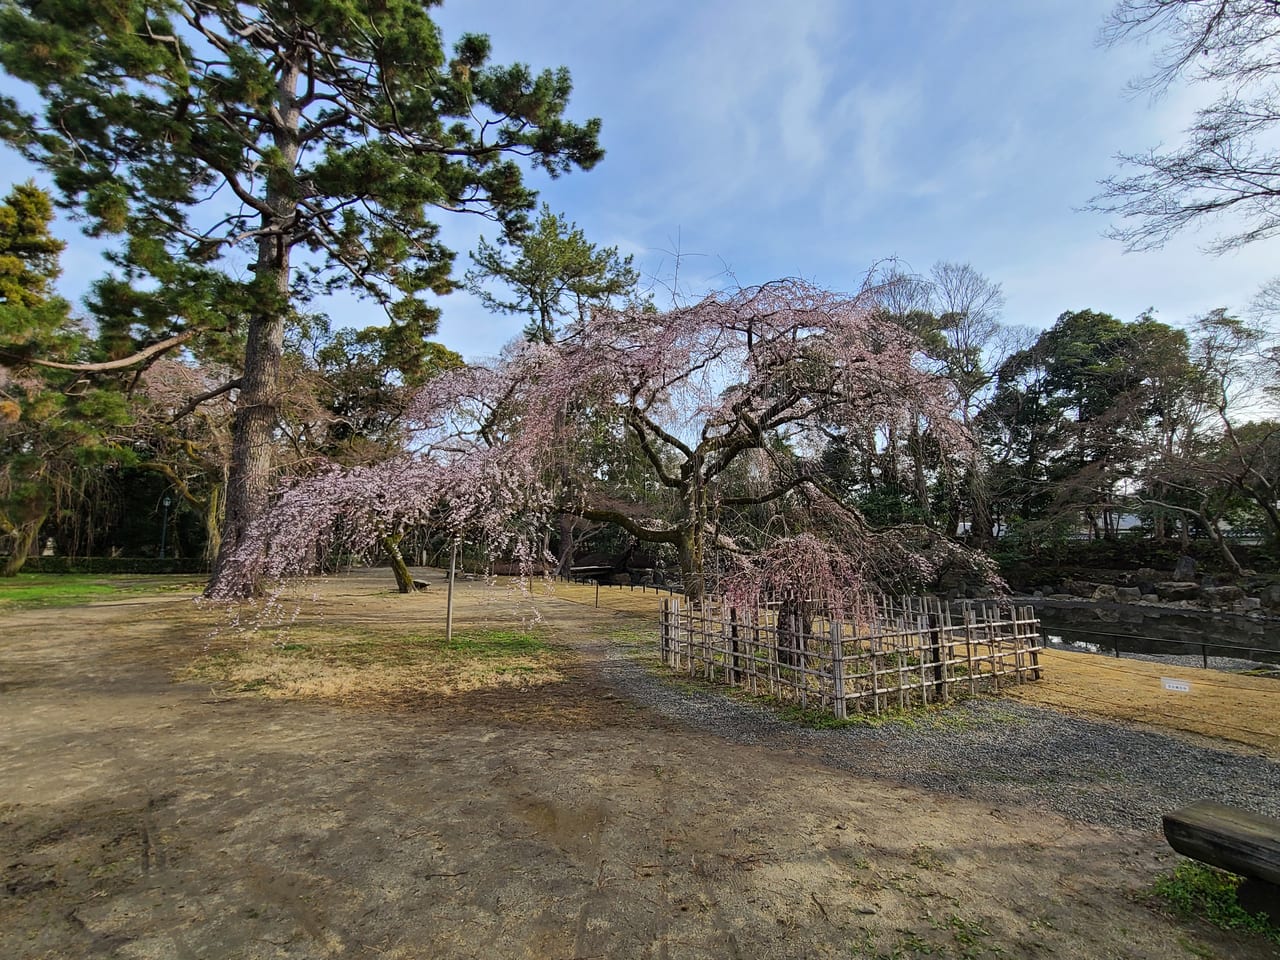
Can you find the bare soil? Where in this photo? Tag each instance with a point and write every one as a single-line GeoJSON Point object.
{"type": "Point", "coordinates": [147, 817]}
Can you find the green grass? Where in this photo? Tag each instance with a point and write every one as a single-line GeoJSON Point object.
{"type": "Point", "coordinates": [1197, 891]}
{"type": "Point", "coordinates": [72, 589]}
{"type": "Point", "coordinates": [492, 644]}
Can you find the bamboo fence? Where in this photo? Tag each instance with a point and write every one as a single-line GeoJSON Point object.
{"type": "Point", "coordinates": [880, 655]}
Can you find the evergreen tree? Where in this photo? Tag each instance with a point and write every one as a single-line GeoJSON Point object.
{"type": "Point", "coordinates": [311, 137]}
{"type": "Point", "coordinates": [555, 274]}
{"type": "Point", "coordinates": [51, 419]}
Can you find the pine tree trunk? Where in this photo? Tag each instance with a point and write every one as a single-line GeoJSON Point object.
{"type": "Point", "coordinates": [257, 408]}
{"type": "Point", "coordinates": [921, 481]}
{"type": "Point", "coordinates": [980, 526]}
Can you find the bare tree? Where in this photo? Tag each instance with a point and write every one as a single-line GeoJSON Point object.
{"type": "Point", "coordinates": [1228, 162]}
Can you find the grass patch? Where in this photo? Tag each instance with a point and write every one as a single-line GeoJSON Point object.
{"type": "Point", "coordinates": [1198, 891]}
{"type": "Point", "coordinates": [934, 716]}
{"type": "Point", "coordinates": [345, 665]}
{"type": "Point", "coordinates": [29, 590]}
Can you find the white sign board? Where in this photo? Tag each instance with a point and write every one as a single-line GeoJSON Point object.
{"type": "Point", "coordinates": [1177, 686]}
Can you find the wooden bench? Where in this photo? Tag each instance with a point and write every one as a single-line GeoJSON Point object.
{"type": "Point", "coordinates": [1236, 840]}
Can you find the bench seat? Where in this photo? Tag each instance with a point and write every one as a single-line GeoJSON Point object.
{"type": "Point", "coordinates": [1237, 840]}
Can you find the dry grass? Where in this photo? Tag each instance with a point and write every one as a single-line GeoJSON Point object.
{"type": "Point", "coordinates": [342, 664]}
{"type": "Point", "coordinates": [1225, 706]}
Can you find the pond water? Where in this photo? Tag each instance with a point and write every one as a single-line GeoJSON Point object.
{"type": "Point", "coordinates": [1109, 627]}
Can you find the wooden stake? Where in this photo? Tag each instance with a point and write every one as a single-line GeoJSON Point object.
{"type": "Point", "coordinates": [448, 616]}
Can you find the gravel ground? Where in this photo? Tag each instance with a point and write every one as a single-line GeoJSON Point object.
{"type": "Point", "coordinates": [1087, 770]}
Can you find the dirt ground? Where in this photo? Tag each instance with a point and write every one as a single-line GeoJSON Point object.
{"type": "Point", "coordinates": [146, 818]}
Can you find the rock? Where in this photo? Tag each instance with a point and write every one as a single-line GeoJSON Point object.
{"type": "Point", "coordinates": [1227, 594]}
{"type": "Point", "coordinates": [1251, 603]}
{"type": "Point", "coordinates": [1177, 590]}
{"type": "Point", "coordinates": [1144, 578]}
{"type": "Point", "coordinates": [1063, 596]}
{"type": "Point", "coordinates": [1104, 591]}
{"type": "Point", "coordinates": [1079, 588]}
{"type": "Point", "coordinates": [1128, 594]}
{"type": "Point", "coordinates": [1150, 598]}
{"type": "Point", "coordinates": [1184, 569]}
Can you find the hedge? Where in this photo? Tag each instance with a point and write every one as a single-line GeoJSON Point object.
{"type": "Point", "coordinates": [107, 565]}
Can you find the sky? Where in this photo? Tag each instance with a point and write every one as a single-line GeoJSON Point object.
{"type": "Point", "coordinates": [748, 140]}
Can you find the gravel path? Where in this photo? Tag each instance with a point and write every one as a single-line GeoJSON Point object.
{"type": "Point", "coordinates": [1088, 770]}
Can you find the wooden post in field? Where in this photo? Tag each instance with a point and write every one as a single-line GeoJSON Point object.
{"type": "Point", "coordinates": [837, 669]}
{"type": "Point", "coordinates": [448, 617]}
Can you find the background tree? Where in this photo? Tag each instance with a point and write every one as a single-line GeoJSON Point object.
{"type": "Point", "coordinates": [549, 274]}
{"type": "Point", "coordinates": [208, 132]}
{"type": "Point", "coordinates": [1228, 163]}
{"type": "Point", "coordinates": [1073, 419]}
{"type": "Point", "coordinates": [52, 421]}
{"type": "Point", "coordinates": [956, 313]}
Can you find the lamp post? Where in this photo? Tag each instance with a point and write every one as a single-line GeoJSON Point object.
{"type": "Point", "coordinates": [164, 523]}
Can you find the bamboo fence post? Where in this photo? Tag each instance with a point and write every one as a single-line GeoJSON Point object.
{"type": "Point", "coordinates": [935, 652]}
{"type": "Point", "coordinates": [993, 649]}
{"type": "Point", "coordinates": [662, 635]}
{"type": "Point", "coordinates": [968, 649]}
{"type": "Point", "coordinates": [872, 653]}
{"type": "Point", "coordinates": [735, 672]}
{"type": "Point", "coordinates": [1035, 652]}
{"type": "Point", "coordinates": [837, 669]}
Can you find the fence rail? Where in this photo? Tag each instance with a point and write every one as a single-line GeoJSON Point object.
{"type": "Point", "coordinates": [881, 654]}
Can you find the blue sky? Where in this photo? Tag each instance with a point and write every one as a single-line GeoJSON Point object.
{"type": "Point", "coordinates": [816, 137]}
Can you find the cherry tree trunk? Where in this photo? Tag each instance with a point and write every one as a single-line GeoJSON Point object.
{"type": "Point", "coordinates": [564, 531]}
{"type": "Point", "coordinates": [404, 579]}
{"type": "Point", "coordinates": [690, 554]}
{"type": "Point", "coordinates": [1219, 541]}
{"type": "Point", "coordinates": [691, 547]}
{"type": "Point", "coordinates": [24, 539]}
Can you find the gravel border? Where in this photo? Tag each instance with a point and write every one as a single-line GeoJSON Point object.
{"type": "Point", "coordinates": [1093, 771]}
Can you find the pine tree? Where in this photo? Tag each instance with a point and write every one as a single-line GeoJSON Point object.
{"type": "Point", "coordinates": [554, 274]}
{"type": "Point", "coordinates": [51, 420]}
{"type": "Point", "coordinates": [310, 137]}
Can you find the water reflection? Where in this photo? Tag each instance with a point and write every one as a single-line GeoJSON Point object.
{"type": "Point", "coordinates": [1104, 628]}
